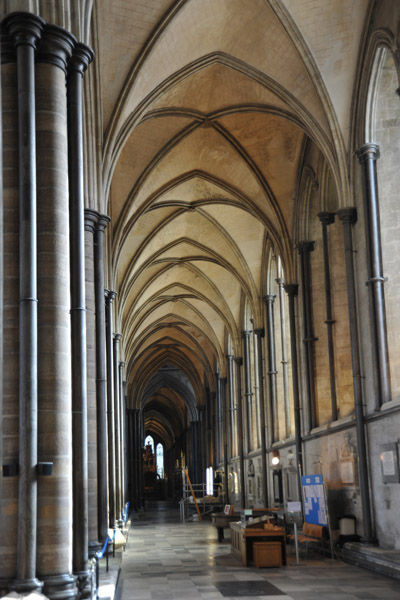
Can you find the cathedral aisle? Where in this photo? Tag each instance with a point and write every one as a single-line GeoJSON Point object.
{"type": "Point", "coordinates": [169, 560]}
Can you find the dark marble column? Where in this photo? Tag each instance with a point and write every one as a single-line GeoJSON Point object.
{"type": "Point", "coordinates": [269, 300]}
{"type": "Point", "coordinates": [109, 298]}
{"type": "Point", "coordinates": [263, 426]}
{"type": "Point", "coordinates": [81, 58]}
{"type": "Point", "coordinates": [122, 426]}
{"type": "Point", "coordinates": [195, 446]}
{"type": "Point", "coordinates": [292, 290]}
{"type": "Point", "coordinates": [24, 30]}
{"type": "Point", "coordinates": [117, 427]}
{"type": "Point", "coordinates": [305, 248]}
{"type": "Point", "coordinates": [230, 406]}
{"type": "Point", "coordinates": [219, 440]}
{"type": "Point", "coordinates": [348, 216]}
{"type": "Point", "coordinates": [101, 396]}
{"type": "Point", "coordinates": [247, 389]}
{"type": "Point", "coordinates": [368, 156]}
{"type": "Point", "coordinates": [54, 553]}
{"type": "Point", "coordinates": [285, 372]}
{"type": "Point", "coordinates": [326, 219]}
{"type": "Point", "coordinates": [225, 430]}
{"type": "Point", "coordinates": [239, 363]}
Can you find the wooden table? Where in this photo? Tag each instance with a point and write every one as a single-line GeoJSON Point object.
{"type": "Point", "coordinates": [242, 539]}
{"type": "Point", "coordinates": [222, 521]}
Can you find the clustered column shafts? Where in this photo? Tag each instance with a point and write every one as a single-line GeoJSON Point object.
{"type": "Point", "coordinates": [348, 216]}
{"type": "Point", "coordinates": [305, 248]}
{"type": "Point", "coordinates": [247, 387]}
{"type": "Point", "coordinates": [285, 374]}
{"type": "Point", "coordinates": [122, 427]}
{"type": "Point", "coordinates": [292, 291]}
{"type": "Point", "coordinates": [109, 298]}
{"type": "Point", "coordinates": [219, 421]}
{"type": "Point", "coordinates": [326, 219]}
{"type": "Point", "coordinates": [239, 363]}
{"type": "Point", "coordinates": [81, 58]}
{"type": "Point", "coordinates": [264, 474]}
{"type": "Point", "coordinates": [230, 405]}
{"type": "Point", "coordinates": [54, 321]}
{"type": "Point", "coordinates": [368, 155]}
{"type": "Point", "coordinates": [225, 424]}
{"type": "Point", "coordinates": [117, 427]}
{"type": "Point", "coordinates": [101, 396]}
{"type": "Point", "coordinates": [24, 30]}
{"type": "Point", "coordinates": [272, 372]}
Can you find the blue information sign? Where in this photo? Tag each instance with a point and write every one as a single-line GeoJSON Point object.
{"type": "Point", "coordinates": [314, 499]}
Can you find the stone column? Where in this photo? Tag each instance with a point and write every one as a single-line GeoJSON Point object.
{"type": "Point", "coordinates": [122, 420]}
{"type": "Point", "coordinates": [78, 64]}
{"type": "Point", "coordinates": [24, 30]}
{"type": "Point", "coordinates": [219, 421]}
{"type": "Point", "coordinates": [90, 224]}
{"type": "Point", "coordinates": [368, 156]}
{"type": "Point", "coordinates": [269, 300]}
{"type": "Point", "coordinates": [225, 424]}
{"type": "Point", "coordinates": [117, 427]}
{"type": "Point", "coordinates": [230, 405]}
{"type": "Point", "coordinates": [109, 297]}
{"type": "Point", "coordinates": [326, 219]}
{"type": "Point", "coordinates": [285, 373]}
{"type": "Point", "coordinates": [348, 216]}
{"type": "Point", "coordinates": [264, 475]}
{"type": "Point", "coordinates": [10, 420]}
{"type": "Point", "coordinates": [239, 363]}
{"type": "Point", "coordinates": [194, 442]}
{"type": "Point", "coordinates": [101, 397]}
{"type": "Point", "coordinates": [292, 290]}
{"type": "Point", "coordinates": [305, 248]}
{"type": "Point", "coordinates": [54, 551]}
{"type": "Point", "coordinates": [247, 388]}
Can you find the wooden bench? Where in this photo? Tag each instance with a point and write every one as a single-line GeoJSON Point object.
{"type": "Point", "coordinates": [316, 535]}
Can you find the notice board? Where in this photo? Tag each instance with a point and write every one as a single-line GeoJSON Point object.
{"type": "Point", "coordinates": [314, 499]}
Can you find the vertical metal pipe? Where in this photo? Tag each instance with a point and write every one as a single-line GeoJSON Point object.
{"type": "Point", "coordinates": [247, 388]}
{"type": "Point", "coordinates": [348, 216]}
{"type": "Point", "coordinates": [239, 362]}
{"type": "Point", "coordinates": [326, 219]}
{"type": "Point", "coordinates": [101, 397]}
{"type": "Point", "coordinates": [368, 156]}
{"type": "Point", "coordinates": [78, 63]}
{"type": "Point", "coordinates": [25, 30]}
{"type": "Point", "coordinates": [285, 374]}
{"type": "Point", "coordinates": [292, 290]}
{"type": "Point", "coordinates": [109, 297]}
{"type": "Point", "coordinates": [117, 426]}
{"type": "Point", "coordinates": [264, 472]}
{"type": "Point", "coordinates": [305, 248]}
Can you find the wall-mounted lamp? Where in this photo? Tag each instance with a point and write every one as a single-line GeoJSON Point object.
{"type": "Point", "coordinates": [10, 470]}
{"type": "Point", "coordinates": [276, 459]}
{"type": "Point", "coordinates": [45, 468]}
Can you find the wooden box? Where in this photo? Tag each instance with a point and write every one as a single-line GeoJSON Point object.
{"type": "Point", "coordinates": [267, 554]}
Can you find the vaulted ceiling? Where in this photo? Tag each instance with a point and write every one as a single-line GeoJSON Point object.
{"type": "Point", "coordinates": [208, 107]}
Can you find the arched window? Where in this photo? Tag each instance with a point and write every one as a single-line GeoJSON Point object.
{"type": "Point", "coordinates": [149, 441]}
{"type": "Point", "coordinates": [160, 461]}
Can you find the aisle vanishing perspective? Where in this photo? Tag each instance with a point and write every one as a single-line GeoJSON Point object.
{"type": "Point", "coordinates": [169, 560]}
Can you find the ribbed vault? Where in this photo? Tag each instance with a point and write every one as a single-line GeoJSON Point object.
{"type": "Point", "coordinates": [214, 108]}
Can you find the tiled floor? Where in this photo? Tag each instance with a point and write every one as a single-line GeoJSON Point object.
{"type": "Point", "coordinates": [169, 560]}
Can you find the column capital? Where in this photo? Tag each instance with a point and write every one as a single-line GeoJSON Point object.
{"type": "Point", "coordinates": [117, 337]}
{"type": "Point", "coordinates": [305, 246]}
{"type": "Point", "coordinates": [81, 58]}
{"type": "Point", "coordinates": [246, 333]}
{"type": "Point", "coordinates": [102, 222]}
{"type": "Point", "coordinates": [122, 364]}
{"type": "Point", "coordinates": [368, 152]}
{"type": "Point", "coordinates": [326, 218]}
{"type": "Point", "coordinates": [348, 215]}
{"type": "Point", "coordinates": [24, 28]}
{"type": "Point", "coordinates": [269, 298]}
{"type": "Point", "coordinates": [292, 289]}
{"type": "Point", "coordinates": [260, 332]}
{"type": "Point", "coordinates": [91, 218]}
{"type": "Point", "coordinates": [109, 296]}
{"type": "Point", "coordinates": [280, 281]}
{"type": "Point", "coordinates": [56, 47]}
{"type": "Point", "coordinates": [238, 360]}
{"type": "Point", "coordinates": [230, 356]}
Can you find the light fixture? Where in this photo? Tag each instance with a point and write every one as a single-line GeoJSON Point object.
{"type": "Point", "coordinates": [275, 458]}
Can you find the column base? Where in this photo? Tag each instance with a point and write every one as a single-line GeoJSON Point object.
{"type": "Point", "coordinates": [60, 587]}
{"type": "Point", "coordinates": [84, 582]}
{"type": "Point", "coordinates": [26, 586]}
